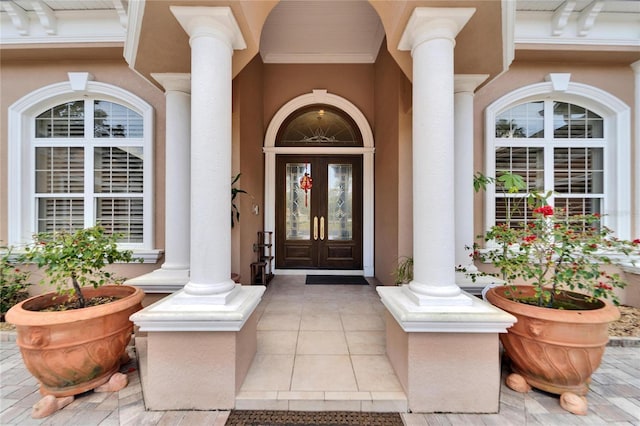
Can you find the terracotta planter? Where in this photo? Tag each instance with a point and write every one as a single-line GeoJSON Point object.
{"type": "Point", "coordinates": [554, 350]}
{"type": "Point", "coordinates": [74, 351]}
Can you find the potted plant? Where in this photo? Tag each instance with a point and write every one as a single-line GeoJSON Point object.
{"type": "Point", "coordinates": [72, 340]}
{"type": "Point", "coordinates": [566, 298]}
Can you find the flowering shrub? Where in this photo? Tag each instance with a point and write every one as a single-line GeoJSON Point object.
{"type": "Point", "coordinates": [555, 252]}
{"type": "Point", "coordinates": [14, 282]}
{"type": "Point", "coordinates": [71, 260]}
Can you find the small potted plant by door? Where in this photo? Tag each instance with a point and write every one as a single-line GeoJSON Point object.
{"type": "Point", "coordinates": [74, 339]}
{"type": "Point", "coordinates": [567, 300]}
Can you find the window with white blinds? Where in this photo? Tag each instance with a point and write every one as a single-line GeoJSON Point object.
{"type": "Point", "coordinates": [89, 168]}
{"type": "Point", "coordinates": [554, 146]}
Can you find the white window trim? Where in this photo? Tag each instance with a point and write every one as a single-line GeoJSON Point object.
{"type": "Point", "coordinates": [21, 214]}
{"type": "Point", "coordinates": [617, 127]}
{"type": "Point", "coordinates": [321, 96]}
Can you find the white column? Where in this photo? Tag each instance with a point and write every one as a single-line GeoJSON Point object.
{"type": "Point", "coordinates": [177, 176]}
{"type": "Point", "coordinates": [430, 35]}
{"type": "Point", "coordinates": [636, 146]}
{"type": "Point", "coordinates": [214, 34]}
{"type": "Point", "coordinates": [174, 272]}
{"type": "Point", "coordinates": [464, 86]}
{"type": "Point", "coordinates": [432, 305]}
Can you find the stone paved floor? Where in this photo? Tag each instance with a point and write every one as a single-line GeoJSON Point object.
{"type": "Point", "coordinates": [614, 398]}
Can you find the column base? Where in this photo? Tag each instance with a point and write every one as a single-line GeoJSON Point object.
{"type": "Point", "coordinates": [475, 282]}
{"type": "Point", "coordinates": [208, 299]}
{"type": "Point", "coordinates": [426, 300]}
{"type": "Point", "coordinates": [161, 280]}
{"type": "Point", "coordinates": [186, 312]}
{"type": "Point", "coordinates": [477, 317]}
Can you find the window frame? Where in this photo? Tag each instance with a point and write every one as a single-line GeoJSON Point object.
{"type": "Point", "coordinates": [22, 212]}
{"type": "Point", "coordinates": [616, 142]}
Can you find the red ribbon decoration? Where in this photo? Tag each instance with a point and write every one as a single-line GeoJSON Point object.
{"type": "Point", "coordinates": [306, 182]}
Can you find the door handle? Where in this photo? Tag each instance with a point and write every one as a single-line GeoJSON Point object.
{"type": "Point", "coordinates": [315, 228]}
{"type": "Point", "coordinates": [322, 228]}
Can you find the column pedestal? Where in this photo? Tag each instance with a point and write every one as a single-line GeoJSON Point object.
{"type": "Point", "coordinates": [195, 356]}
{"type": "Point", "coordinates": [447, 358]}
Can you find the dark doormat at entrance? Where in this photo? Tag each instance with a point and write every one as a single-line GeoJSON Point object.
{"type": "Point", "coordinates": [311, 418]}
{"type": "Point", "coordinates": [336, 279]}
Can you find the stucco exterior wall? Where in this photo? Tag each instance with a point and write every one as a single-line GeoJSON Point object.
{"type": "Point", "coordinates": [351, 81]}
{"type": "Point", "coordinates": [616, 79]}
{"type": "Point", "coordinates": [393, 194]}
{"type": "Point", "coordinates": [248, 105]}
{"type": "Point", "coordinates": [22, 77]}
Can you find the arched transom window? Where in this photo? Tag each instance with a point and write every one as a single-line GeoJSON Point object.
{"type": "Point", "coordinates": [319, 125]}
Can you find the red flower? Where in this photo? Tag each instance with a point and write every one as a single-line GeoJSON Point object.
{"type": "Point", "coordinates": [529, 238]}
{"type": "Point", "coordinates": [544, 210]}
{"type": "Point", "coordinates": [636, 241]}
{"type": "Point", "coordinates": [604, 286]}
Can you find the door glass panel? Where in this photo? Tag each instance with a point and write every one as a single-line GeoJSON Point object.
{"type": "Point", "coordinates": [340, 208]}
{"type": "Point", "coordinates": [298, 203]}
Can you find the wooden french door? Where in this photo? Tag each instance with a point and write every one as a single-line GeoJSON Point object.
{"type": "Point", "coordinates": [322, 228]}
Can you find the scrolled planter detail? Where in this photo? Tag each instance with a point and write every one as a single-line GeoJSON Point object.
{"type": "Point", "coordinates": [554, 350]}
{"type": "Point", "coordinates": [71, 352]}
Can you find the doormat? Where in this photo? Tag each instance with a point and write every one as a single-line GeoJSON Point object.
{"type": "Point", "coordinates": [336, 279]}
{"type": "Point", "coordinates": [309, 418]}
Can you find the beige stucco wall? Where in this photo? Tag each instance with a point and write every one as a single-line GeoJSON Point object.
{"type": "Point", "coordinates": [283, 82]}
{"type": "Point", "coordinates": [393, 192]}
{"type": "Point", "coordinates": [20, 77]}
{"type": "Point", "coordinates": [248, 106]}
{"type": "Point", "coordinates": [614, 78]}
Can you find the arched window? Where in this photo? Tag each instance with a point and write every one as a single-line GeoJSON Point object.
{"type": "Point", "coordinates": [89, 168]}
{"type": "Point", "coordinates": [319, 125]}
{"type": "Point", "coordinates": [83, 161]}
{"type": "Point", "coordinates": [573, 144]}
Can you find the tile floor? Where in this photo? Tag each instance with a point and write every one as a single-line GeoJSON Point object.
{"type": "Point", "coordinates": [321, 347]}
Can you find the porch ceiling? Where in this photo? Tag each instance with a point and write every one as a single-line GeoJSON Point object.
{"type": "Point", "coordinates": [319, 32]}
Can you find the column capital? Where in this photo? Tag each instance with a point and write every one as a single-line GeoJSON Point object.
{"type": "Point", "coordinates": [467, 82]}
{"type": "Point", "coordinates": [636, 67]}
{"type": "Point", "coordinates": [173, 81]}
{"type": "Point", "coordinates": [217, 22]}
{"type": "Point", "coordinates": [428, 23]}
